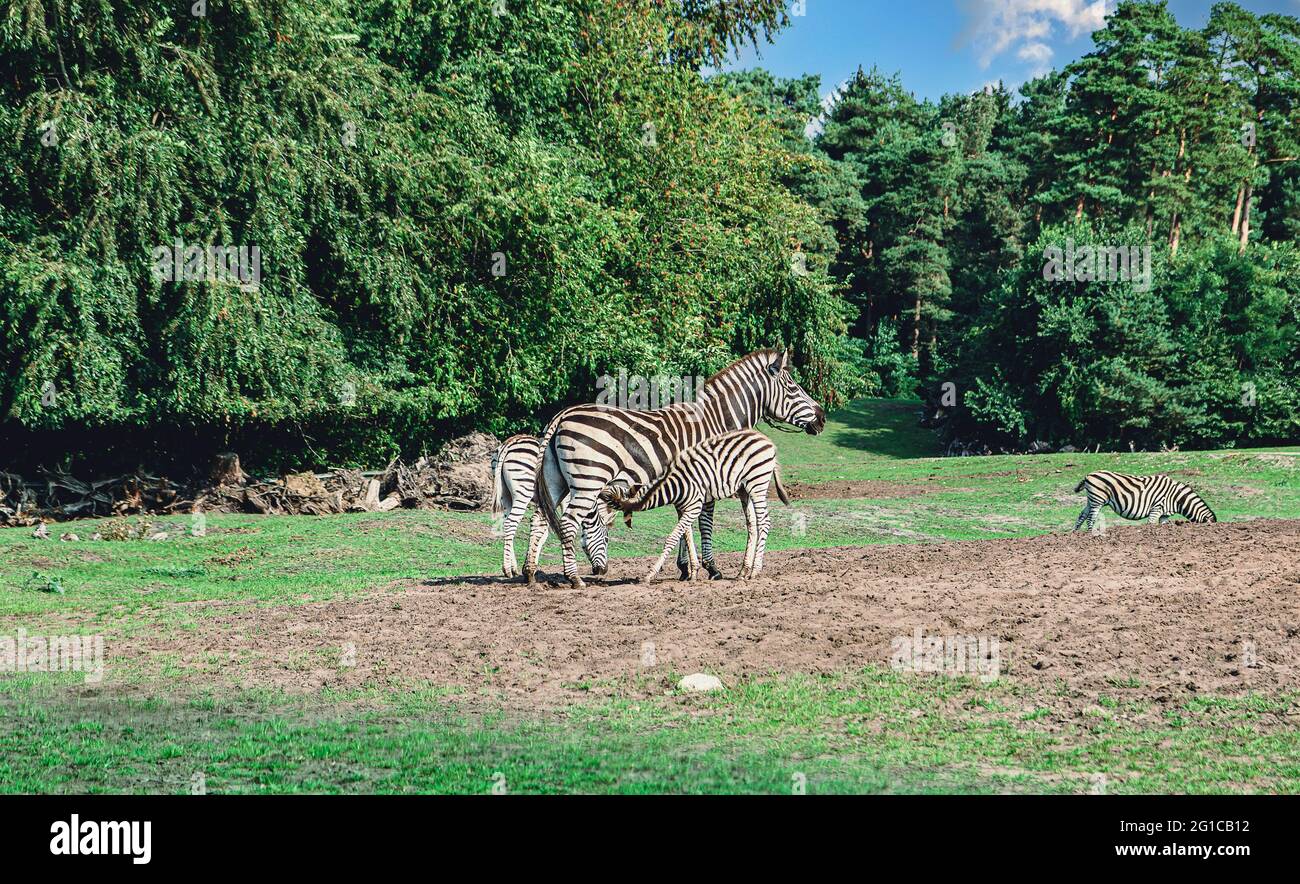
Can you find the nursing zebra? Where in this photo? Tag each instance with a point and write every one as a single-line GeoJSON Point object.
{"type": "Point", "coordinates": [514, 479]}
{"type": "Point", "coordinates": [739, 464]}
{"type": "Point", "coordinates": [590, 446]}
{"type": "Point", "coordinates": [1140, 497]}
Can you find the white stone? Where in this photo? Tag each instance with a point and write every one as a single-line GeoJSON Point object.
{"type": "Point", "coordinates": [700, 682]}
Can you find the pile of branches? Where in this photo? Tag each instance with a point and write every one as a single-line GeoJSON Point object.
{"type": "Point", "coordinates": [458, 478]}
{"type": "Point", "coordinates": [60, 495]}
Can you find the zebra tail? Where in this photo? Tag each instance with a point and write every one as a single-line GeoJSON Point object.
{"type": "Point", "coordinates": [499, 502]}
{"type": "Point", "coordinates": [542, 496]}
{"type": "Point", "coordinates": [1079, 487]}
{"type": "Point", "coordinates": [780, 489]}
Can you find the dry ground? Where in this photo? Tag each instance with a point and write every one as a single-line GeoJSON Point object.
{"type": "Point", "coordinates": [1158, 613]}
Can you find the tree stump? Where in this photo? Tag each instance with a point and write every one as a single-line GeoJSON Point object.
{"type": "Point", "coordinates": [226, 470]}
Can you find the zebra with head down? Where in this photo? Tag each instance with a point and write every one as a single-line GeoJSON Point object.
{"type": "Point", "coordinates": [514, 478]}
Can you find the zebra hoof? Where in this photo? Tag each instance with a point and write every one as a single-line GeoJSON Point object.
{"type": "Point", "coordinates": [577, 583]}
{"type": "Point", "coordinates": [601, 571]}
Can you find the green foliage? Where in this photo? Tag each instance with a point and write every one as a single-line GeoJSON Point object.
{"type": "Point", "coordinates": [1202, 356]}
{"type": "Point", "coordinates": [385, 159]}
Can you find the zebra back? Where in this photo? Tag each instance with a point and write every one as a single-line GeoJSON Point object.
{"type": "Point", "coordinates": [514, 467]}
{"type": "Point", "coordinates": [1136, 497]}
{"type": "Point", "coordinates": [712, 470]}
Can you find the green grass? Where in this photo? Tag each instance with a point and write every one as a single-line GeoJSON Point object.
{"type": "Point", "coordinates": [864, 731]}
{"type": "Point", "coordinates": [868, 731]}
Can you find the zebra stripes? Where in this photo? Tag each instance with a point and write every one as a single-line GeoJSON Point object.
{"type": "Point", "coordinates": [1156, 498]}
{"type": "Point", "coordinates": [514, 481]}
{"type": "Point", "coordinates": [737, 464]}
{"type": "Point", "coordinates": [593, 445]}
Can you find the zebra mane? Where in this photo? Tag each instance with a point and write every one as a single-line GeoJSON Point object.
{"type": "Point", "coordinates": [765, 354]}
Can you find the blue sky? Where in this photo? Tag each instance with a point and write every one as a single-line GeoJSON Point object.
{"type": "Point", "coordinates": [942, 46]}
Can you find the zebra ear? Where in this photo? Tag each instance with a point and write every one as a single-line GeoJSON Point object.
{"type": "Point", "coordinates": [778, 364]}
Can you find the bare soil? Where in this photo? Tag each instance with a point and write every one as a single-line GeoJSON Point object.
{"type": "Point", "coordinates": [1153, 614]}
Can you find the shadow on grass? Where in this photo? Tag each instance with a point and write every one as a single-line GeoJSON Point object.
{"type": "Point", "coordinates": [885, 428]}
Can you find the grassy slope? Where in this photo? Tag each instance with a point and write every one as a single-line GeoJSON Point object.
{"type": "Point", "coordinates": [872, 731]}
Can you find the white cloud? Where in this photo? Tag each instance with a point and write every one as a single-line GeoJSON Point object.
{"type": "Point", "coordinates": [1039, 56]}
{"type": "Point", "coordinates": [1025, 26]}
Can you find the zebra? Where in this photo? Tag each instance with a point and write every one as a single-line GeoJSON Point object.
{"type": "Point", "coordinates": [1155, 498]}
{"type": "Point", "coordinates": [590, 446]}
{"type": "Point", "coordinates": [514, 478]}
{"type": "Point", "coordinates": [740, 464]}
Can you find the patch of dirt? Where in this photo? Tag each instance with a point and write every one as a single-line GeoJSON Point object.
{"type": "Point", "coordinates": [846, 490]}
{"type": "Point", "coordinates": [1141, 613]}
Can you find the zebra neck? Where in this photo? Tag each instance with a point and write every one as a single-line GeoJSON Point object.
{"type": "Point", "coordinates": [727, 410]}
{"type": "Point", "coordinates": [656, 496]}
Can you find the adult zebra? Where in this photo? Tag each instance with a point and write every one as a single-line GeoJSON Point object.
{"type": "Point", "coordinates": [1155, 498]}
{"type": "Point", "coordinates": [590, 446]}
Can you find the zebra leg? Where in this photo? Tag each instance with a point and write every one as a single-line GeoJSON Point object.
{"type": "Point", "coordinates": [694, 556]}
{"type": "Point", "coordinates": [538, 530]}
{"type": "Point", "coordinates": [751, 533]}
{"type": "Point", "coordinates": [1093, 509]}
{"type": "Point", "coordinates": [688, 514]}
{"type": "Point", "coordinates": [579, 510]}
{"type": "Point", "coordinates": [706, 545]}
{"type": "Point", "coordinates": [706, 541]}
{"type": "Point", "coordinates": [1085, 516]}
{"type": "Point", "coordinates": [759, 502]}
{"type": "Point", "coordinates": [568, 535]}
{"type": "Point", "coordinates": [509, 563]}
{"type": "Point", "coordinates": [683, 562]}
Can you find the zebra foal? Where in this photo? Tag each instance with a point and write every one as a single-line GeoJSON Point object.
{"type": "Point", "coordinates": [1155, 498]}
{"type": "Point", "coordinates": [736, 464]}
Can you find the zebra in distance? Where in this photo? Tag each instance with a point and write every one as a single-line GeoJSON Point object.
{"type": "Point", "coordinates": [514, 478]}
{"type": "Point", "coordinates": [590, 446]}
{"type": "Point", "coordinates": [736, 464]}
{"type": "Point", "coordinates": [1155, 498]}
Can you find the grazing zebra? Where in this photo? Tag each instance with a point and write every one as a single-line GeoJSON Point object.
{"type": "Point", "coordinates": [514, 478]}
{"type": "Point", "coordinates": [737, 464]}
{"type": "Point", "coordinates": [1156, 498]}
{"type": "Point", "coordinates": [590, 446]}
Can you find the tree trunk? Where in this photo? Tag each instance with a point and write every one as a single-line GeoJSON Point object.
{"type": "Point", "coordinates": [1245, 219]}
{"type": "Point", "coordinates": [916, 329]}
